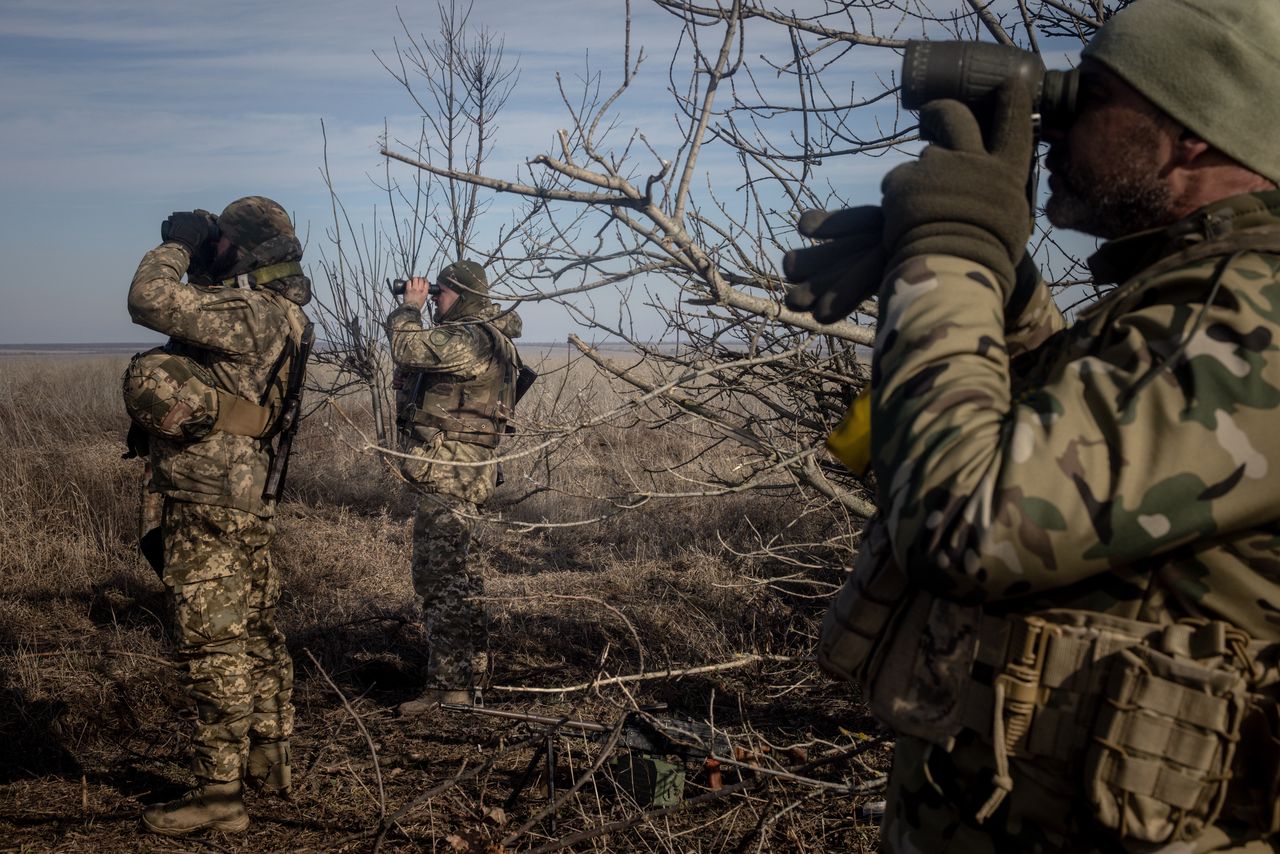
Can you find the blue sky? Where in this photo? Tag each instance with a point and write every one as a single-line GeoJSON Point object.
{"type": "Point", "coordinates": [114, 114]}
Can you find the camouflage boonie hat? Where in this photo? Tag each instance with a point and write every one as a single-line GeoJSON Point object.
{"type": "Point", "coordinates": [170, 396]}
{"type": "Point", "coordinates": [253, 220]}
{"type": "Point", "coordinates": [261, 230]}
{"type": "Point", "coordinates": [464, 277]}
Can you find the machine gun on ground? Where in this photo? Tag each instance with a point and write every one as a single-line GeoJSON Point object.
{"type": "Point", "coordinates": [656, 745]}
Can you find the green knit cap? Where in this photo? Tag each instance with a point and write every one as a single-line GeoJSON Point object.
{"type": "Point", "coordinates": [468, 280]}
{"type": "Point", "coordinates": [464, 277]}
{"type": "Point", "coordinates": [1212, 65]}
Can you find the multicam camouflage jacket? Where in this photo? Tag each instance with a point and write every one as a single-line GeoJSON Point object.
{"type": "Point", "coordinates": [469, 348]}
{"type": "Point", "coordinates": [1123, 465]}
{"type": "Point", "coordinates": [239, 335]}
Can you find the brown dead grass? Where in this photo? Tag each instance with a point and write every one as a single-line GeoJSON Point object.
{"type": "Point", "coordinates": [89, 708]}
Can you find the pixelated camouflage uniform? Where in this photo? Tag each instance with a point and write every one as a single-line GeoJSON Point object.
{"type": "Point", "coordinates": [217, 527]}
{"type": "Point", "coordinates": [473, 349]}
{"type": "Point", "coordinates": [1118, 467]}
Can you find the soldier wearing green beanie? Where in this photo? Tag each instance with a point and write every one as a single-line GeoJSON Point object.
{"type": "Point", "coordinates": [456, 389]}
{"type": "Point", "coordinates": [1067, 606]}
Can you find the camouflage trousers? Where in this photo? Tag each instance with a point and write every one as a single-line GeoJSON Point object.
{"type": "Point", "coordinates": [235, 665]}
{"type": "Point", "coordinates": [447, 582]}
{"type": "Point", "coordinates": [933, 797]}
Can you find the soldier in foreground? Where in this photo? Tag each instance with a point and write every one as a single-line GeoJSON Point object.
{"type": "Point", "coordinates": [211, 402]}
{"type": "Point", "coordinates": [1068, 607]}
{"type": "Point", "coordinates": [457, 389]}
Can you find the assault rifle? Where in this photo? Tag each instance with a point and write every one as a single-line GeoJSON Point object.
{"type": "Point", "coordinates": [290, 416]}
{"type": "Point", "coordinates": [524, 381]}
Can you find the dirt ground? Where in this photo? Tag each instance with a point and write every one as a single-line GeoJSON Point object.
{"type": "Point", "coordinates": [94, 724]}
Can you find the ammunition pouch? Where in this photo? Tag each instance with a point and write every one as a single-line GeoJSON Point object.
{"type": "Point", "coordinates": [1165, 729]}
{"type": "Point", "coordinates": [174, 397]}
{"type": "Point", "coordinates": [475, 427]}
{"type": "Point", "coordinates": [856, 625]}
{"type": "Point", "coordinates": [1160, 760]}
{"type": "Point", "coordinates": [433, 405]}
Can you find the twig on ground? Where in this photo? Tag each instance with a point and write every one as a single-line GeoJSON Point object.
{"type": "Point", "coordinates": [462, 776]}
{"type": "Point", "coordinates": [552, 807]}
{"type": "Point", "coordinates": [743, 786]}
{"type": "Point", "coordinates": [768, 820]}
{"type": "Point", "coordinates": [741, 661]}
{"type": "Point", "coordinates": [373, 749]}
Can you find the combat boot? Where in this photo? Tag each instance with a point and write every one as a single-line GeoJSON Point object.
{"type": "Point", "coordinates": [433, 697]}
{"type": "Point", "coordinates": [217, 806]}
{"type": "Point", "coordinates": [267, 768]}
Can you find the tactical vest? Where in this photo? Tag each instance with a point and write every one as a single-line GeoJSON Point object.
{"type": "Point", "coordinates": [1164, 728]}
{"type": "Point", "coordinates": [472, 410]}
{"type": "Point", "coordinates": [172, 392]}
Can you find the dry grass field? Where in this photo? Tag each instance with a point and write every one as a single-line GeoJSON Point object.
{"type": "Point", "coordinates": [93, 725]}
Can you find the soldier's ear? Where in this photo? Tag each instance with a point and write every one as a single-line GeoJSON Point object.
{"type": "Point", "coordinates": [1189, 148]}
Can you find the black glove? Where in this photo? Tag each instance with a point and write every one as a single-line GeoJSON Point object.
{"type": "Point", "coordinates": [197, 230]}
{"type": "Point", "coordinates": [964, 196]}
{"type": "Point", "coordinates": [832, 278]}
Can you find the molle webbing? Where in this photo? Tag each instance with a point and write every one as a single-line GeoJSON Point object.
{"type": "Point", "coordinates": [1153, 714]}
{"type": "Point", "coordinates": [470, 410]}
{"type": "Point", "coordinates": [1068, 662]}
{"type": "Point", "coordinates": [476, 426]}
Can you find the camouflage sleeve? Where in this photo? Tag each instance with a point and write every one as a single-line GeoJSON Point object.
{"type": "Point", "coordinates": [1038, 319]}
{"type": "Point", "coordinates": [221, 319]}
{"type": "Point", "coordinates": [1155, 433]}
{"type": "Point", "coordinates": [463, 349]}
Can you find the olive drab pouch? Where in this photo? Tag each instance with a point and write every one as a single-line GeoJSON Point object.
{"type": "Point", "coordinates": [1165, 735]}
{"type": "Point", "coordinates": [920, 683]}
{"type": "Point", "coordinates": [857, 622]}
{"type": "Point", "coordinates": [174, 397]}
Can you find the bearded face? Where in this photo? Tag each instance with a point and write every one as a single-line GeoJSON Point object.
{"type": "Point", "coordinates": [1109, 170]}
{"type": "Point", "coordinates": [1114, 190]}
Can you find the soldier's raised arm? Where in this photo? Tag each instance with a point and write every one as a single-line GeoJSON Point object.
{"type": "Point", "coordinates": [460, 349]}
{"type": "Point", "coordinates": [206, 310]}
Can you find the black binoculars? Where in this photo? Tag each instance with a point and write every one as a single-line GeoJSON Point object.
{"type": "Point", "coordinates": [970, 72]}
{"type": "Point", "coordinates": [397, 286]}
{"type": "Point", "coordinates": [168, 226]}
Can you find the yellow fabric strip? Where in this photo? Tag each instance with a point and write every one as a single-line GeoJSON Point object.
{"type": "Point", "coordinates": [850, 442]}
